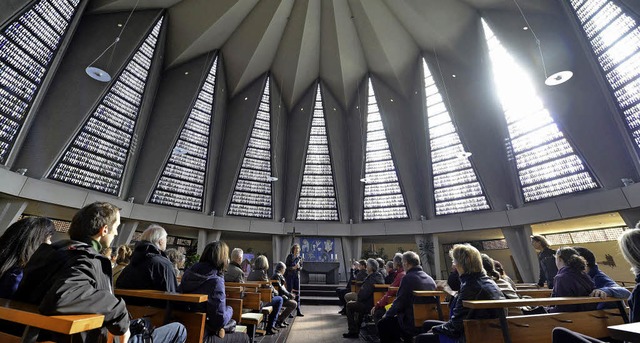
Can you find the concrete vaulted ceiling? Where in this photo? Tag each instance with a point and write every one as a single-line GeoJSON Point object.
{"type": "Point", "coordinates": [300, 41]}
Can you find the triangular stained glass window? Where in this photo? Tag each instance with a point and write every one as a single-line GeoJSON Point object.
{"type": "Point", "coordinates": [27, 47]}
{"type": "Point", "coordinates": [615, 39]}
{"type": "Point", "coordinates": [97, 156]}
{"type": "Point", "coordinates": [252, 193]}
{"type": "Point", "coordinates": [383, 198]}
{"type": "Point", "coordinates": [317, 195]}
{"type": "Point", "coordinates": [455, 183]}
{"type": "Point", "coordinates": [182, 181]}
{"type": "Point", "coordinates": [547, 164]}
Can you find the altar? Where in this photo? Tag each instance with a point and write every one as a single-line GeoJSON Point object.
{"type": "Point", "coordinates": [329, 269]}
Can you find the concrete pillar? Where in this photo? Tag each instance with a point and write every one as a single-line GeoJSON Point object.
{"type": "Point", "coordinates": [429, 251]}
{"type": "Point", "coordinates": [525, 257]}
{"type": "Point", "coordinates": [205, 237]}
{"type": "Point", "coordinates": [276, 247]}
{"type": "Point", "coordinates": [10, 211]}
{"type": "Point", "coordinates": [125, 233]}
{"type": "Point", "coordinates": [631, 216]}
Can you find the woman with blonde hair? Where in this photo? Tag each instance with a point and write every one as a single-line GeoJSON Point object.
{"type": "Point", "coordinates": [630, 247]}
{"type": "Point", "coordinates": [475, 285]}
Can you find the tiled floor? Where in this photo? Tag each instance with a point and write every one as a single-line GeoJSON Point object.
{"type": "Point", "coordinates": [320, 324]}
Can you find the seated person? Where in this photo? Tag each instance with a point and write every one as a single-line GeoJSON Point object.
{"type": "Point", "coordinates": [360, 276]}
{"type": "Point", "coordinates": [364, 302]}
{"type": "Point", "coordinates": [235, 272]}
{"type": "Point", "coordinates": [259, 273]}
{"type": "Point", "coordinates": [475, 285]}
{"type": "Point", "coordinates": [391, 272]}
{"type": "Point", "coordinates": [498, 267]}
{"type": "Point", "coordinates": [341, 292]}
{"type": "Point", "coordinates": [571, 280]}
{"type": "Point", "coordinates": [19, 242]}
{"type": "Point", "coordinates": [205, 277]}
{"type": "Point", "coordinates": [605, 286]}
{"type": "Point", "coordinates": [149, 267]}
{"type": "Point", "coordinates": [381, 265]}
{"type": "Point", "coordinates": [379, 308]}
{"type": "Point", "coordinates": [289, 302]}
{"type": "Point", "coordinates": [505, 287]}
{"type": "Point", "coordinates": [630, 247]}
{"type": "Point", "coordinates": [71, 276]}
{"type": "Point", "coordinates": [398, 321]}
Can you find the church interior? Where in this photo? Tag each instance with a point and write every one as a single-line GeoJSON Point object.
{"type": "Point", "coordinates": [356, 129]}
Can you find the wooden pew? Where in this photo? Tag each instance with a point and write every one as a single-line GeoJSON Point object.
{"type": "Point", "coordinates": [193, 321]}
{"type": "Point", "coordinates": [379, 290]}
{"type": "Point", "coordinates": [520, 286]}
{"type": "Point", "coordinates": [233, 292]}
{"type": "Point", "coordinates": [236, 306]}
{"type": "Point", "coordinates": [28, 315]}
{"type": "Point", "coordinates": [355, 286]}
{"type": "Point", "coordinates": [535, 293]}
{"type": "Point", "coordinates": [426, 308]}
{"type": "Point", "coordinates": [537, 328]}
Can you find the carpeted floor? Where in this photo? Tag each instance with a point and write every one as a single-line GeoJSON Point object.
{"type": "Point", "coordinates": [323, 324]}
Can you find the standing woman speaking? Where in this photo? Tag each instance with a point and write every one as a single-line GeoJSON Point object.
{"type": "Point", "coordinates": [292, 274]}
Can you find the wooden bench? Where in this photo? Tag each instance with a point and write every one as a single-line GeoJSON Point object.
{"type": "Point", "coordinates": [537, 328]}
{"type": "Point", "coordinates": [194, 322]}
{"type": "Point", "coordinates": [236, 306]}
{"type": "Point", "coordinates": [379, 290]}
{"type": "Point", "coordinates": [28, 315]}
{"type": "Point", "coordinates": [520, 286]}
{"type": "Point", "coordinates": [355, 286]}
{"type": "Point", "coordinates": [429, 305]}
{"type": "Point", "coordinates": [535, 293]}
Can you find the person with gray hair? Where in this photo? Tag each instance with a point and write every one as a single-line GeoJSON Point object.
{"type": "Point", "coordinates": [630, 247]}
{"type": "Point", "coordinates": [398, 321]}
{"type": "Point", "coordinates": [398, 273]}
{"type": "Point", "coordinates": [149, 267]}
{"type": "Point", "coordinates": [234, 271]}
{"type": "Point", "coordinates": [356, 310]}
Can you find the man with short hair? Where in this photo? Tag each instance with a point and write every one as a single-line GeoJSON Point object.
{"type": "Point", "coordinates": [546, 259]}
{"type": "Point", "coordinates": [234, 272]}
{"type": "Point", "coordinates": [605, 286]}
{"type": "Point", "coordinates": [398, 320]}
{"type": "Point", "coordinates": [149, 267]}
{"type": "Point", "coordinates": [71, 276]}
{"type": "Point", "coordinates": [359, 307]}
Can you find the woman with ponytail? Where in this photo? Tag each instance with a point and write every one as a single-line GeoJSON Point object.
{"type": "Point", "coordinates": [571, 280]}
{"type": "Point", "coordinates": [505, 287]}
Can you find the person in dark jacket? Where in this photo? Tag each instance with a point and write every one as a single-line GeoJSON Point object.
{"type": "Point", "coordinates": [234, 272]}
{"type": "Point", "coordinates": [474, 285]}
{"type": "Point", "coordinates": [71, 276]}
{"type": "Point", "coordinates": [398, 320]}
{"type": "Point", "coordinates": [205, 277]}
{"type": "Point", "coordinates": [19, 242]}
{"type": "Point", "coordinates": [391, 273]}
{"type": "Point", "coordinates": [571, 280]}
{"type": "Point", "coordinates": [630, 247]}
{"type": "Point", "coordinates": [149, 267]}
{"type": "Point", "coordinates": [546, 259]}
{"type": "Point", "coordinates": [292, 274]}
{"type": "Point", "coordinates": [356, 310]}
{"type": "Point", "coordinates": [341, 292]}
{"type": "Point", "coordinates": [288, 298]}
{"type": "Point", "coordinates": [259, 273]}
{"type": "Point", "coordinates": [604, 285]}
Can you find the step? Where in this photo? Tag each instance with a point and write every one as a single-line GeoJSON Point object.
{"type": "Point", "coordinates": [313, 300]}
{"type": "Point", "coordinates": [318, 293]}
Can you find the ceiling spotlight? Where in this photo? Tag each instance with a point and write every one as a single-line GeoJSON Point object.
{"type": "Point", "coordinates": [509, 207]}
{"type": "Point", "coordinates": [272, 178]}
{"type": "Point", "coordinates": [365, 180]}
{"type": "Point", "coordinates": [22, 171]}
{"type": "Point", "coordinates": [131, 199]}
{"type": "Point", "coordinates": [558, 78]}
{"type": "Point", "coordinates": [454, 75]}
{"type": "Point", "coordinates": [525, 28]}
{"type": "Point", "coordinates": [625, 181]}
{"type": "Point", "coordinates": [186, 73]}
{"type": "Point", "coordinates": [180, 151]}
{"type": "Point", "coordinates": [391, 100]}
{"type": "Point", "coordinates": [98, 74]}
{"type": "Point", "coordinates": [246, 98]}
{"type": "Point", "coordinates": [119, 24]}
{"type": "Point", "coordinates": [463, 154]}
{"type": "Point", "coordinates": [212, 213]}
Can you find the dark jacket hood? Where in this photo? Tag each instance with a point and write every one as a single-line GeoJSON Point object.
{"type": "Point", "coordinates": [197, 275]}
{"type": "Point", "coordinates": [143, 251]}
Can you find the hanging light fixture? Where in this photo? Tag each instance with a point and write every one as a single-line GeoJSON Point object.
{"type": "Point", "coordinates": [102, 75]}
{"type": "Point", "coordinates": [555, 78]}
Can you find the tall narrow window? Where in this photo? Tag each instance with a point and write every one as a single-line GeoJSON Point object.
{"type": "Point", "coordinates": [615, 39]}
{"type": "Point", "coordinates": [252, 194]}
{"type": "Point", "coordinates": [383, 198]}
{"type": "Point", "coordinates": [317, 195]}
{"type": "Point", "coordinates": [182, 181]}
{"type": "Point", "coordinates": [97, 156]}
{"type": "Point", "coordinates": [27, 47]}
{"type": "Point", "coordinates": [455, 183]}
{"type": "Point", "coordinates": [547, 164]}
